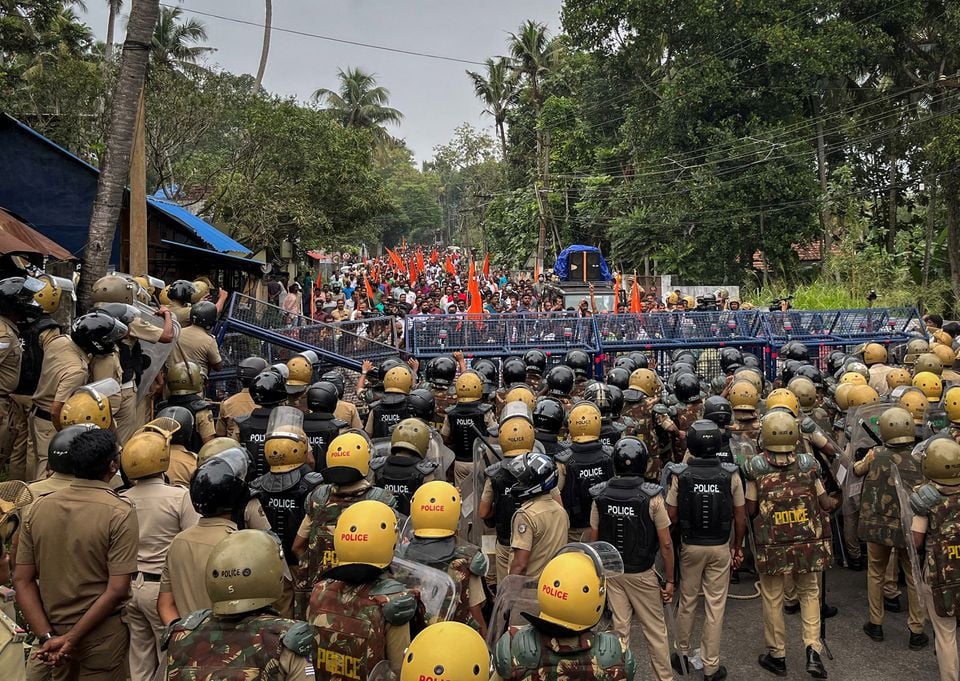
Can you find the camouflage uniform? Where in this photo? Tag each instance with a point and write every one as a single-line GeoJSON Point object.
{"type": "Point", "coordinates": [954, 432]}
{"type": "Point", "coordinates": [684, 418]}
{"type": "Point", "coordinates": [359, 625]}
{"type": "Point", "coordinates": [748, 428]}
{"type": "Point", "coordinates": [466, 564]}
{"type": "Point", "coordinates": [254, 648]}
{"type": "Point", "coordinates": [579, 387]}
{"type": "Point", "coordinates": [444, 399]}
{"type": "Point", "coordinates": [639, 419]}
{"type": "Point", "coordinates": [524, 654]}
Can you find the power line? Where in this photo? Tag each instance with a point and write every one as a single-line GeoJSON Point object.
{"type": "Point", "coordinates": [343, 41]}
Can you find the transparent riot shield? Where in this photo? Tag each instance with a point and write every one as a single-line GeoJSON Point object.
{"type": "Point", "coordinates": [285, 421]}
{"type": "Point", "coordinates": [380, 447]}
{"type": "Point", "coordinates": [515, 594]}
{"type": "Point", "coordinates": [437, 591]}
{"type": "Point", "coordinates": [936, 420]}
{"type": "Point", "coordinates": [440, 454]}
{"type": "Point", "coordinates": [14, 495]}
{"type": "Point", "coordinates": [743, 448]}
{"type": "Point", "coordinates": [156, 353]}
{"type": "Point", "coordinates": [381, 672]}
{"type": "Point", "coordinates": [906, 521]}
{"type": "Point", "coordinates": [606, 559]}
{"type": "Point", "coordinates": [863, 428]}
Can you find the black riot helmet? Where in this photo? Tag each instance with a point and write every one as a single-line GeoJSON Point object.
{"type": "Point", "coordinates": [268, 388]}
{"type": "Point", "coordinates": [683, 367]}
{"type": "Point", "coordinates": [686, 388]}
{"type": "Point", "coordinates": [751, 360]}
{"type": "Point", "coordinates": [630, 457]}
{"type": "Point", "coordinates": [835, 361]}
{"type": "Point", "coordinates": [123, 313]}
{"type": "Point", "coordinates": [625, 362]}
{"type": "Point", "coordinates": [204, 314]}
{"type": "Point", "coordinates": [16, 298]}
{"type": "Point", "coordinates": [182, 291]}
{"type": "Point", "coordinates": [535, 474]}
{"type": "Point", "coordinates": [548, 415]}
{"type": "Point", "coordinates": [184, 418]}
{"type": "Point", "coordinates": [579, 361]}
{"type": "Point", "coordinates": [220, 484]}
{"type": "Point", "coordinates": [719, 410]}
{"type": "Point", "coordinates": [335, 377]}
{"type": "Point", "coordinates": [248, 368]}
{"type": "Point", "coordinates": [795, 350]}
{"type": "Point", "coordinates": [729, 358]}
{"type": "Point", "coordinates": [619, 377]}
{"type": "Point", "coordinates": [514, 371]}
{"type": "Point", "coordinates": [535, 361]}
{"type": "Point", "coordinates": [322, 397]}
{"type": "Point", "coordinates": [704, 439]}
{"type": "Point", "coordinates": [789, 370]}
{"type": "Point", "coordinates": [640, 359]}
{"type": "Point", "coordinates": [609, 399]}
{"type": "Point", "coordinates": [560, 380]}
{"type": "Point", "coordinates": [97, 332]}
{"type": "Point", "coordinates": [441, 371]}
{"type": "Point", "coordinates": [421, 404]}
{"type": "Point", "coordinates": [59, 460]}
{"type": "Point", "coordinates": [811, 372]}
{"type": "Point", "coordinates": [683, 355]}
{"type": "Point", "coordinates": [488, 372]}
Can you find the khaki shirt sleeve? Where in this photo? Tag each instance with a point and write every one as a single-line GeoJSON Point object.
{"type": "Point", "coordinates": [213, 353]}
{"type": "Point", "coordinates": [304, 530]}
{"type": "Point", "coordinates": [293, 667]}
{"type": "Point", "coordinates": [256, 519]}
{"type": "Point", "coordinates": [658, 512]}
{"type": "Point", "coordinates": [487, 494]}
{"type": "Point", "coordinates": [475, 594]}
{"type": "Point", "coordinates": [398, 640]}
{"type": "Point", "coordinates": [188, 514]}
{"type": "Point", "coordinates": [204, 425]}
{"type": "Point", "coordinates": [25, 549]}
{"type": "Point", "coordinates": [594, 516]}
{"type": "Point", "coordinates": [521, 531]}
{"type": "Point", "coordinates": [166, 586]}
{"type": "Point", "coordinates": [673, 491]}
{"type": "Point", "coordinates": [736, 488]}
{"type": "Point", "coordinates": [8, 342]}
{"type": "Point", "coordinates": [124, 543]}
{"type": "Point", "coordinates": [70, 381]}
{"type": "Point", "coordinates": [144, 331]}
{"type": "Point", "coordinates": [750, 494]}
{"type": "Point", "coordinates": [861, 467]}
{"type": "Point", "coordinates": [445, 428]}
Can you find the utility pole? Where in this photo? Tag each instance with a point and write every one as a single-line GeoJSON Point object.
{"type": "Point", "coordinates": [542, 238]}
{"type": "Point", "coordinates": [138, 194]}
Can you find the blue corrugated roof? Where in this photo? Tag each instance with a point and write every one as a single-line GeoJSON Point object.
{"type": "Point", "coordinates": [206, 232]}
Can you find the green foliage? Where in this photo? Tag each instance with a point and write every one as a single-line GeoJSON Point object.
{"type": "Point", "coordinates": [416, 215]}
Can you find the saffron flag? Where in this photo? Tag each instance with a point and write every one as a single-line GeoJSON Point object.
{"type": "Point", "coordinates": [448, 265]}
{"type": "Point", "coordinates": [420, 264]}
{"type": "Point", "coordinates": [366, 283]}
{"type": "Point", "coordinates": [616, 293]}
{"type": "Point", "coordinates": [486, 265]}
{"type": "Point", "coordinates": [434, 257]}
{"type": "Point", "coordinates": [636, 306]}
{"type": "Point", "coordinates": [395, 259]}
{"type": "Point", "coordinates": [473, 287]}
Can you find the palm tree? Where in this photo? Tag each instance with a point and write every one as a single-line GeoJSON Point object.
{"type": "Point", "coordinates": [265, 51]}
{"type": "Point", "coordinates": [115, 6]}
{"type": "Point", "coordinates": [115, 168]}
{"type": "Point", "coordinates": [360, 102]}
{"type": "Point", "coordinates": [174, 43]}
{"type": "Point", "coordinates": [533, 54]}
{"type": "Point", "coordinates": [497, 90]}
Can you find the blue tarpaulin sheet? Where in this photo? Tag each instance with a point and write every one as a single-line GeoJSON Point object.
{"type": "Point", "coordinates": [562, 267]}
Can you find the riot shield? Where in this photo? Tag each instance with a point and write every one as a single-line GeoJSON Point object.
{"type": "Point", "coordinates": [380, 447]}
{"type": "Point", "coordinates": [863, 435]}
{"type": "Point", "coordinates": [14, 495]}
{"type": "Point", "coordinates": [440, 454]}
{"type": "Point", "coordinates": [936, 420]}
{"type": "Point", "coordinates": [437, 591]}
{"type": "Point", "coordinates": [743, 449]}
{"type": "Point", "coordinates": [381, 672]}
{"type": "Point", "coordinates": [157, 353]}
{"type": "Point", "coordinates": [606, 559]}
{"type": "Point", "coordinates": [906, 521]}
{"type": "Point", "coordinates": [515, 594]}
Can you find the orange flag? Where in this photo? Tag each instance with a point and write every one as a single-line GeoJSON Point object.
{"type": "Point", "coordinates": [473, 287]}
{"type": "Point", "coordinates": [451, 270]}
{"type": "Point", "coordinates": [616, 293]}
{"type": "Point", "coordinates": [486, 265]}
{"type": "Point", "coordinates": [395, 259]}
{"type": "Point", "coordinates": [434, 257]}
{"type": "Point", "coordinates": [636, 306]}
{"type": "Point", "coordinates": [420, 265]}
{"type": "Point", "coordinates": [366, 283]}
{"type": "Point", "coordinates": [413, 269]}
{"type": "Point", "coordinates": [536, 271]}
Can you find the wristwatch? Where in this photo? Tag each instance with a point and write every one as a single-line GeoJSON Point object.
{"type": "Point", "coordinates": [46, 637]}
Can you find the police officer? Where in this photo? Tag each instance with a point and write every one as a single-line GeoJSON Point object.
{"type": "Point", "coordinates": [719, 410]}
{"type": "Point", "coordinates": [320, 424]}
{"type": "Point", "coordinates": [951, 404]}
{"type": "Point", "coordinates": [686, 389]}
{"type": "Point", "coordinates": [587, 462]}
{"type": "Point", "coordinates": [559, 384]}
{"type": "Point", "coordinates": [609, 400]}
{"type": "Point", "coordinates": [178, 296]}
{"type": "Point", "coordinates": [185, 387]}
{"type": "Point", "coordinates": [448, 650]}
{"type": "Point", "coordinates": [640, 397]}
{"type": "Point", "coordinates": [435, 516]}
{"type": "Point", "coordinates": [539, 526]}
{"type": "Point", "coordinates": [784, 496]}
{"type": "Point", "coordinates": [744, 398]}
{"type": "Point", "coordinates": [405, 468]}
{"type": "Point", "coordinates": [389, 410]}
{"type": "Point", "coordinates": [548, 419]}
{"type": "Point", "coordinates": [936, 508]}
{"type": "Point", "coordinates": [59, 464]}
{"type": "Point", "coordinates": [76, 614]}
{"type": "Point", "coordinates": [345, 476]}
{"type": "Point", "coordinates": [282, 493]}
{"type": "Point", "coordinates": [579, 362]}
{"type": "Point", "coordinates": [535, 362]}
{"type": "Point", "coordinates": [629, 513]}
{"type": "Point", "coordinates": [422, 405]}
{"type": "Point", "coordinates": [195, 344]}
{"type": "Point", "coordinates": [561, 643]}
{"type": "Point", "coordinates": [268, 390]}
{"type": "Point", "coordinates": [360, 614]}
{"type": "Point", "coordinates": [242, 635]}
{"type": "Point", "coordinates": [880, 523]}
{"type": "Point", "coordinates": [345, 411]}
{"type": "Point", "coordinates": [300, 371]}
{"type": "Point", "coordinates": [464, 421]}
{"type": "Point", "coordinates": [706, 499]}
{"type": "Point", "coordinates": [514, 374]}
{"type": "Point", "coordinates": [163, 511]}
{"type": "Point", "coordinates": [441, 372]}
{"type": "Point", "coordinates": [241, 403]}
{"type": "Point", "coordinates": [183, 461]}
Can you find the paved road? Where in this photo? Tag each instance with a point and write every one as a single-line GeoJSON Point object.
{"type": "Point", "coordinates": [856, 657]}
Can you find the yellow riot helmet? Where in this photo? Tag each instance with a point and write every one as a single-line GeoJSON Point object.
{"type": "Point", "coordinates": [752, 376]}
{"type": "Point", "coordinates": [184, 378]}
{"type": "Point", "coordinates": [300, 371]}
{"type": "Point", "coordinates": [521, 394]}
{"type": "Point", "coordinates": [145, 284]}
{"type": "Point", "coordinates": [201, 290]}
{"type": "Point", "coordinates": [690, 301]}
{"type": "Point", "coordinates": [780, 432]}
{"type": "Point", "coordinates": [446, 650]}
{"type": "Point", "coordinates": [951, 403]}
{"type": "Point", "coordinates": [915, 402]}
{"type": "Point", "coordinates": [348, 459]}
{"type": "Point", "coordinates": [743, 396]}
{"type": "Point", "coordinates": [398, 380]}
{"type": "Point", "coordinates": [930, 384]}
{"type": "Point", "coordinates": [572, 589]}
{"type": "Point", "coordinates": [435, 510]}
{"type": "Point", "coordinates": [147, 452]}
{"type": "Point", "coordinates": [114, 288]}
{"type": "Point", "coordinates": [584, 422]}
{"type": "Point", "coordinates": [215, 446]}
{"type": "Point", "coordinates": [896, 426]}
{"type": "Point", "coordinates": [842, 396]}
{"type": "Point", "coordinates": [898, 377]}
{"type": "Point", "coordinates": [90, 404]}
{"type": "Point", "coordinates": [782, 397]}
{"type": "Point", "coordinates": [469, 387]}
{"type": "Point", "coordinates": [945, 354]}
{"type": "Point", "coordinates": [411, 435]}
{"type": "Point", "coordinates": [861, 395]}
{"type": "Point", "coordinates": [516, 436]}
{"type": "Point", "coordinates": [805, 390]}
{"type": "Point", "coordinates": [366, 534]}
{"type": "Point", "coordinates": [644, 380]}
{"type": "Point", "coordinates": [244, 572]}
{"type": "Point", "coordinates": [164, 296]}
{"type": "Point", "coordinates": [51, 294]}
{"type": "Point", "coordinates": [940, 461]}
{"type": "Point", "coordinates": [874, 353]}
{"type": "Point", "coordinates": [673, 298]}
{"type": "Point", "coordinates": [942, 337]}
{"type": "Point", "coordinates": [854, 378]}
{"type": "Point", "coordinates": [928, 362]}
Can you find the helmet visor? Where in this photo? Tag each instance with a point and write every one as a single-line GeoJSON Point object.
{"type": "Point", "coordinates": [605, 556]}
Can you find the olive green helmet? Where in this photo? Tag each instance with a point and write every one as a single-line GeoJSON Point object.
{"type": "Point", "coordinates": [896, 426]}
{"type": "Point", "coordinates": [217, 445]}
{"type": "Point", "coordinates": [928, 362]}
{"type": "Point", "coordinates": [185, 378]}
{"type": "Point", "coordinates": [115, 289]}
{"type": "Point", "coordinates": [805, 390]}
{"type": "Point", "coordinates": [411, 435]}
{"type": "Point", "coordinates": [244, 572]}
{"type": "Point", "coordinates": [941, 461]}
{"type": "Point", "coordinates": [780, 432]}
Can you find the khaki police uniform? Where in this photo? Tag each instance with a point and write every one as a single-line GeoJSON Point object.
{"type": "Point", "coordinates": [772, 595]}
{"type": "Point", "coordinates": [143, 409]}
{"type": "Point", "coordinates": [186, 562]}
{"type": "Point", "coordinates": [54, 483]}
{"type": "Point", "coordinates": [11, 355]}
{"type": "Point", "coordinates": [347, 411]}
{"type": "Point", "coordinates": [65, 368]}
{"type": "Point", "coordinates": [540, 526]}
{"type": "Point", "coordinates": [194, 344]}
{"type": "Point", "coordinates": [108, 366]}
{"type": "Point", "coordinates": [706, 569]}
{"type": "Point", "coordinates": [944, 628]}
{"type": "Point", "coordinates": [231, 409]}
{"type": "Point", "coordinates": [463, 469]}
{"type": "Point", "coordinates": [878, 378]}
{"type": "Point", "coordinates": [638, 594]}
{"type": "Point", "coordinates": [77, 539]}
{"type": "Point", "coordinates": [162, 512]}
{"type": "Point", "coordinates": [183, 464]}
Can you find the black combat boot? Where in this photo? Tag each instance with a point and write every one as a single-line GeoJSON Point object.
{"type": "Point", "coordinates": [815, 666]}
{"type": "Point", "coordinates": [774, 665]}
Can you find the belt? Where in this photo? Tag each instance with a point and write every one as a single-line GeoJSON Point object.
{"type": "Point", "coordinates": [42, 413]}
{"type": "Point", "coordinates": [149, 576]}
{"type": "Point", "coordinates": [129, 385]}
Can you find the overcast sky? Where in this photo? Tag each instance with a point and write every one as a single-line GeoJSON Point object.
{"type": "Point", "coordinates": [434, 95]}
